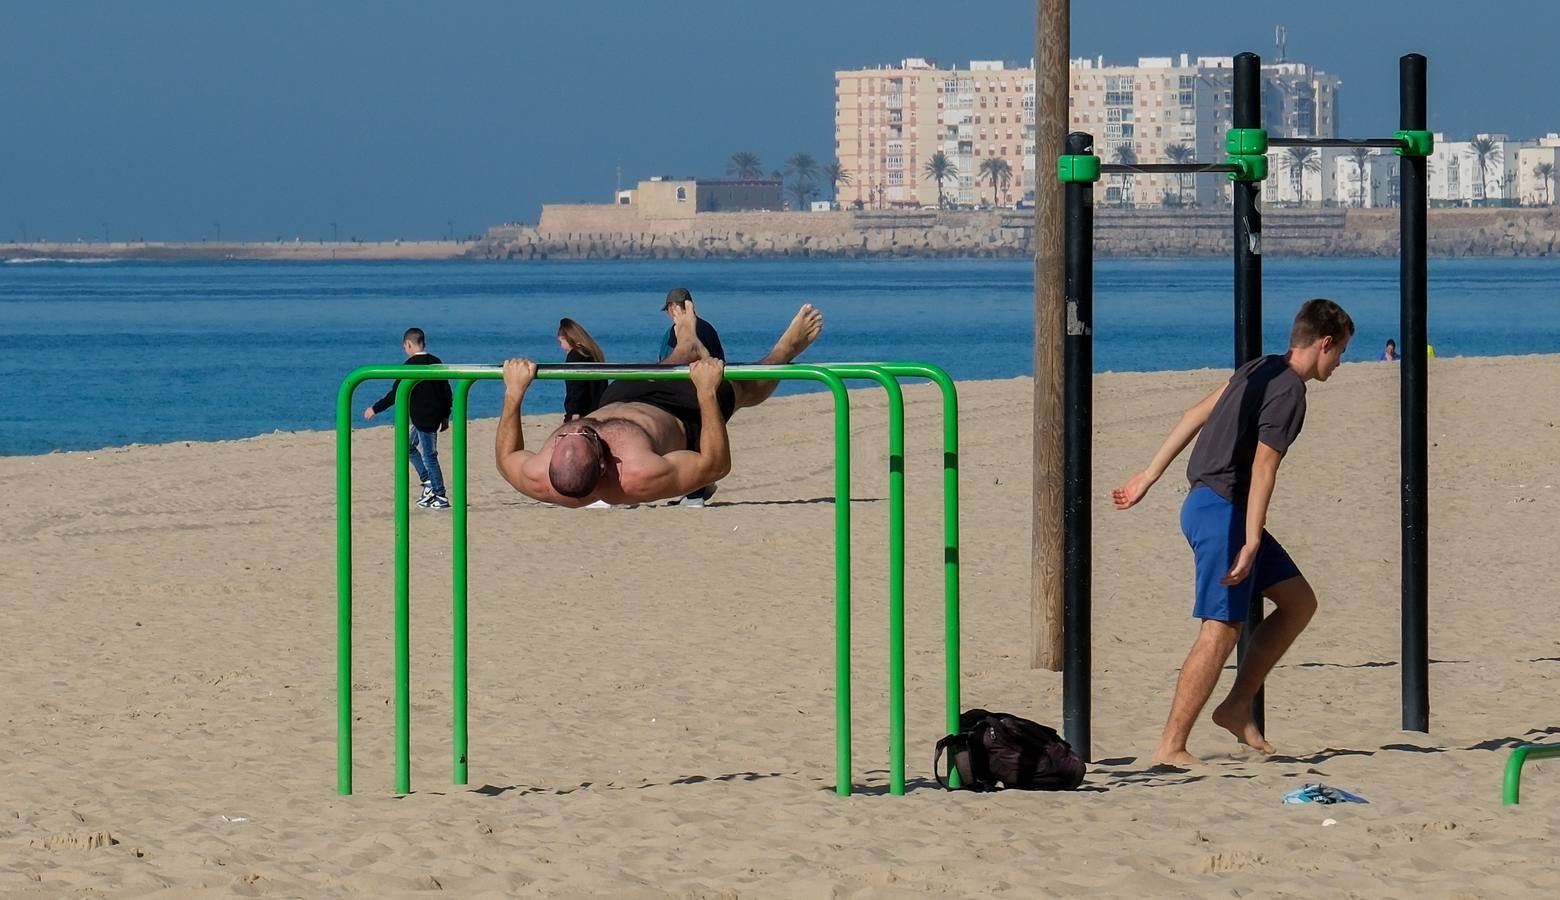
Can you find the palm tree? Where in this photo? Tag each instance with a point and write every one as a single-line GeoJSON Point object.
{"type": "Point", "coordinates": [803, 170]}
{"type": "Point", "coordinates": [1545, 171]}
{"type": "Point", "coordinates": [1300, 160]}
{"type": "Point", "coordinates": [1359, 156]}
{"type": "Point", "coordinates": [1124, 155]}
{"type": "Point", "coordinates": [997, 173]}
{"type": "Point", "coordinates": [745, 165]}
{"type": "Point", "coordinates": [1180, 153]}
{"type": "Point", "coordinates": [1486, 150]}
{"type": "Point", "coordinates": [837, 175]}
{"type": "Point", "coordinates": [940, 168]}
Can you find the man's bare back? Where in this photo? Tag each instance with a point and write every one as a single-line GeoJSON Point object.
{"type": "Point", "coordinates": [636, 452]}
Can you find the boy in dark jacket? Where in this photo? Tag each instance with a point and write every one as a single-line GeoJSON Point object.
{"type": "Point", "coordinates": [430, 414]}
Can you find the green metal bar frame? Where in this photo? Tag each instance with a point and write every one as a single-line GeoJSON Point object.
{"type": "Point", "coordinates": [1519, 756]}
{"type": "Point", "coordinates": [885, 374]}
{"type": "Point", "coordinates": [950, 412]}
{"type": "Point", "coordinates": [409, 375]}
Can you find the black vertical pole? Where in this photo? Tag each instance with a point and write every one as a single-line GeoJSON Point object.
{"type": "Point", "coordinates": [1247, 113]}
{"type": "Point", "coordinates": [1077, 442]}
{"type": "Point", "coordinates": [1412, 110]}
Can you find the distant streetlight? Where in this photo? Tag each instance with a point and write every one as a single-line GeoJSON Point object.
{"type": "Point", "coordinates": [105, 232]}
{"type": "Point", "coordinates": [449, 233]}
{"type": "Point", "coordinates": [24, 232]}
{"type": "Point", "coordinates": [333, 232]}
{"type": "Point", "coordinates": [219, 231]}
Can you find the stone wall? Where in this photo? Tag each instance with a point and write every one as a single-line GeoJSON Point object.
{"type": "Point", "coordinates": [607, 232]}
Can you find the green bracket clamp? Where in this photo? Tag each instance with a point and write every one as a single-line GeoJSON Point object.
{"type": "Point", "coordinates": [1252, 168]}
{"type": "Point", "coordinates": [1247, 148]}
{"type": "Point", "coordinates": [1246, 142]}
{"type": "Point", "coordinates": [1415, 143]}
{"type": "Point", "coordinates": [1081, 168]}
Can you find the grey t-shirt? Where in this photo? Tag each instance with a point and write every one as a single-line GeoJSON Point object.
{"type": "Point", "coordinates": [1264, 401]}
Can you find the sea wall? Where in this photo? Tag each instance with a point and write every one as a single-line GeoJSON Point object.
{"type": "Point", "coordinates": [607, 232]}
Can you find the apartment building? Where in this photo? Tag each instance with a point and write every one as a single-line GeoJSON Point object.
{"type": "Point", "coordinates": [1486, 168]}
{"type": "Point", "coordinates": [1536, 184]}
{"type": "Point", "coordinates": [890, 121]}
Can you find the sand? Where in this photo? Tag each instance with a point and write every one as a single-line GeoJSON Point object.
{"type": "Point", "coordinates": [652, 688]}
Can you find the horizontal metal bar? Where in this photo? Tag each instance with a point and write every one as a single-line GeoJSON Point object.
{"type": "Point", "coordinates": [1388, 143]}
{"type": "Point", "coordinates": [1167, 168]}
{"type": "Point", "coordinates": [572, 372]}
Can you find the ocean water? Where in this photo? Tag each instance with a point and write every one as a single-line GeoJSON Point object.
{"type": "Point", "coordinates": [110, 353]}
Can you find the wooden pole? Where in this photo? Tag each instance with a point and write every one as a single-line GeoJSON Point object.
{"type": "Point", "coordinates": [1051, 122]}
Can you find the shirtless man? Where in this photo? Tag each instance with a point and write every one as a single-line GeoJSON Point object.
{"type": "Point", "coordinates": [649, 440]}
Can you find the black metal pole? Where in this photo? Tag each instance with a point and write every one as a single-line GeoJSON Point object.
{"type": "Point", "coordinates": [1247, 113]}
{"type": "Point", "coordinates": [1413, 113]}
{"type": "Point", "coordinates": [1077, 442]}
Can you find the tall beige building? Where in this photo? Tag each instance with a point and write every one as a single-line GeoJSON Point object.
{"type": "Point", "coordinates": [890, 121]}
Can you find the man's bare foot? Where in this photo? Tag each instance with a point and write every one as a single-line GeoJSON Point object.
{"type": "Point", "coordinates": [798, 336]}
{"type": "Point", "coordinates": [1178, 758]}
{"type": "Point", "coordinates": [1237, 720]}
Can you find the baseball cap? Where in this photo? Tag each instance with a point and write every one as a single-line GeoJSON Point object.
{"type": "Point", "coordinates": [679, 296]}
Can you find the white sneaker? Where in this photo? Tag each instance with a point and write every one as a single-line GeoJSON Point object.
{"type": "Point", "coordinates": [599, 504]}
{"type": "Point", "coordinates": [697, 499]}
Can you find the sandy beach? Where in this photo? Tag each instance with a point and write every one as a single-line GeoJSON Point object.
{"type": "Point", "coordinates": [652, 688]}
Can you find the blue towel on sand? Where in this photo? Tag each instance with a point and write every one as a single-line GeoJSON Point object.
{"type": "Point", "coordinates": [1321, 793]}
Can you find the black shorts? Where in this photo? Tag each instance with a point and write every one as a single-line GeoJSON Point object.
{"type": "Point", "coordinates": [680, 398]}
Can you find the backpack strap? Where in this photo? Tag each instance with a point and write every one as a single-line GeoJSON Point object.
{"type": "Point", "coordinates": [957, 748]}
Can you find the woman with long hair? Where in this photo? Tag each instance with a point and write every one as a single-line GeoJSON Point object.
{"type": "Point", "coordinates": [580, 398]}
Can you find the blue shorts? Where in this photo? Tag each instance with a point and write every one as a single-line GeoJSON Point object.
{"type": "Point", "coordinates": [1216, 530]}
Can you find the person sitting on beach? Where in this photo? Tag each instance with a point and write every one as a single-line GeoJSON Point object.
{"type": "Point", "coordinates": [580, 398]}
{"type": "Point", "coordinates": [649, 440]}
{"type": "Point", "coordinates": [1247, 425]}
{"type": "Point", "coordinates": [1390, 354]}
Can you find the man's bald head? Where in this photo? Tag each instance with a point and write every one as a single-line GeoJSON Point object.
{"type": "Point", "coordinates": [577, 462]}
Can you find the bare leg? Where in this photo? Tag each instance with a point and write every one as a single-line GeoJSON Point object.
{"type": "Point", "coordinates": [798, 336]}
{"type": "Point", "coordinates": [1199, 675]}
{"type": "Point", "coordinates": [1296, 603]}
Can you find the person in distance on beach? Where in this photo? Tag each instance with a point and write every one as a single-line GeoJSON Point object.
{"type": "Point", "coordinates": [580, 398]}
{"type": "Point", "coordinates": [1246, 425]}
{"type": "Point", "coordinates": [431, 402]}
{"type": "Point", "coordinates": [1390, 353]}
{"type": "Point", "coordinates": [672, 355]}
{"type": "Point", "coordinates": [649, 440]}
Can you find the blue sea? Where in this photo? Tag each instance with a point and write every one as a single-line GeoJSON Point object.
{"type": "Point", "coordinates": [109, 353]}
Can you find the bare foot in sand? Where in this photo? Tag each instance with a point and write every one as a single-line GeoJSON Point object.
{"type": "Point", "coordinates": [798, 336]}
{"type": "Point", "coordinates": [1178, 758]}
{"type": "Point", "coordinates": [1237, 720]}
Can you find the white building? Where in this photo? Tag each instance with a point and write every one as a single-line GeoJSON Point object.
{"type": "Point", "coordinates": [1534, 187]}
{"type": "Point", "coordinates": [1460, 174]}
{"type": "Point", "coordinates": [1365, 180]}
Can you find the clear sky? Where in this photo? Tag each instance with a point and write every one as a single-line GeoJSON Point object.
{"type": "Point", "coordinates": [173, 120]}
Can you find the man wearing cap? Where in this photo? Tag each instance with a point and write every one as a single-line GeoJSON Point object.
{"type": "Point", "coordinates": [673, 355]}
{"type": "Point", "coordinates": [678, 299]}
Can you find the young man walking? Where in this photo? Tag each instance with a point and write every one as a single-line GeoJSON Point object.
{"type": "Point", "coordinates": [429, 413]}
{"type": "Point", "coordinates": [1247, 425]}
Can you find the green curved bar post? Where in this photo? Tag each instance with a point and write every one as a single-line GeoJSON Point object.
{"type": "Point", "coordinates": [951, 601]}
{"type": "Point", "coordinates": [1514, 763]}
{"type": "Point", "coordinates": [344, 587]}
{"type": "Point", "coordinates": [896, 563]}
{"type": "Point", "coordinates": [459, 503]}
{"type": "Point", "coordinates": [403, 630]}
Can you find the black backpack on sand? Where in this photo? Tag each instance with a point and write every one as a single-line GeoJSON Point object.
{"type": "Point", "coordinates": [993, 751]}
